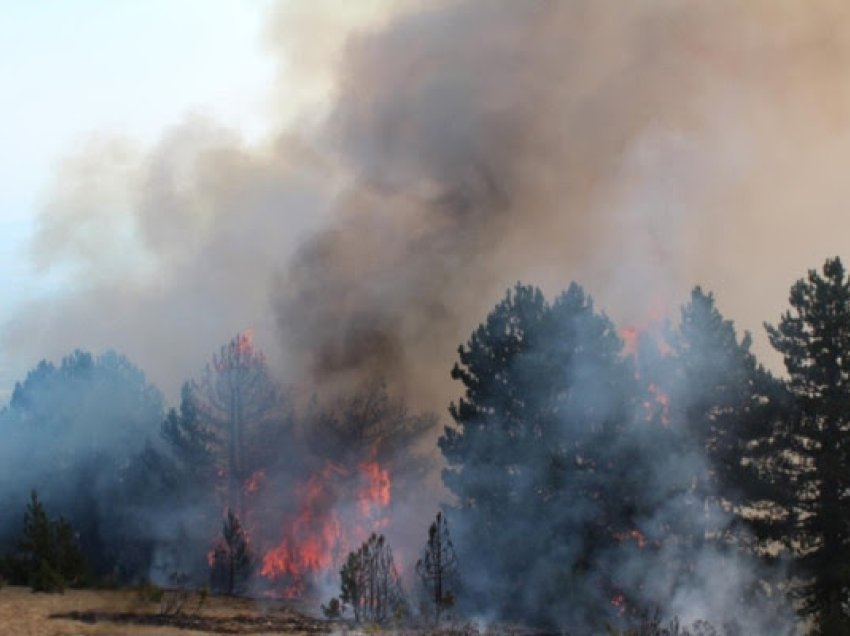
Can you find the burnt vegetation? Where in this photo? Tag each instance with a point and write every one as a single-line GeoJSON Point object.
{"type": "Point", "coordinates": [594, 485]}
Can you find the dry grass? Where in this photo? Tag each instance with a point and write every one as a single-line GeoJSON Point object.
{"type": "Point", "coordinates": [26, 614]}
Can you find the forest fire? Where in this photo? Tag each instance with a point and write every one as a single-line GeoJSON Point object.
{"type": "Point", "coordinates": [374, 493]}
{"type": "Point", "coordinates": [629, 335]}
{"type": "Point", "coordinates": [658, 404]}
{"type": "Point", "coordinates": [255, 482]}
{"type": "Point", "coordinates": [634, 535]}
{"type": "Point", "coordinates": [316, 540]}
{"type": "Point", "coordinates": [636, 344]}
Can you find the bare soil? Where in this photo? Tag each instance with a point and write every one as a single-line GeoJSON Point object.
{"type": "Point", "coordinates": [124, 613]}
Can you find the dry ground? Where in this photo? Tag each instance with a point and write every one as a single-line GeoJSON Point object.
{"type": "Point", "coordinates": [105, 613]}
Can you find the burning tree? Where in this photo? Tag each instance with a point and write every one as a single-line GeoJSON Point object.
{"type": "Point", "coordinates": [238, 401]}
{"type": "Point", "coordinates": [370, 583]}
{"type": "Point", "coordinates": [362, 453]}
{"type": "Point", "coordinates": [232, 562]}
{"type": "Point", "coordinates": [438, 567]}
{"type": "Point", "coordinates": [369, 425]}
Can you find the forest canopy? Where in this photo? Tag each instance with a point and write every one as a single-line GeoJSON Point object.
{"type": "Point", "coordinates": [635, 471]}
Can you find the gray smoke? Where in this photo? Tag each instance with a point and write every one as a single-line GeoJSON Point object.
{"type": "Point", "coordinates": [638, 148]}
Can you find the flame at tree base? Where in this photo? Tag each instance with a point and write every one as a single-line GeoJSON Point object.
{"type": "Point", "coordinates": [315, 541]}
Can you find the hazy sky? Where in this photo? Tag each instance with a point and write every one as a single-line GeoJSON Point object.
{"type": "Point", "coordinates": [96, 73]}
{"type": "Point", "coordinates": [73, 70]}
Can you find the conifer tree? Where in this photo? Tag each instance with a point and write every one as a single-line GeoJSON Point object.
{"type": "Point", "coordinates": [51, 555]}
{"type": "Point", "coordinates": [239, 401]}
{"type": "Point", "coordinates": [438, 567]}
{"type": "Point", "coordinates": [814, 339]}
{"type": "Point", "coordinates": [727, 407]}
{"type": "Point", "coordinates": [233, 563]}
{"type": "Point", "coordinates": [370, 583]}
{"type": "Point", "coordinates": [536, 444]}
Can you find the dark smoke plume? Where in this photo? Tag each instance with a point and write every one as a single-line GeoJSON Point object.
{"type": "Point", "coordinates": [465, 145]}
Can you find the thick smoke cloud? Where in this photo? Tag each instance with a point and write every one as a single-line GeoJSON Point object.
{"type": "Point", "coordinates": [636, 148]}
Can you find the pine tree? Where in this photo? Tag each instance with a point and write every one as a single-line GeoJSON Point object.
{"type": "Point", "coordinates": [369, 424]}
{"type": "Point", "coordinates": [192, 441]}
{"type": "Point", "coordinates": [370, 584]}
{"type": "Point", "coordinates": [233, 563]}
{"type": "Point", "coordinates": [438, 566]}
{"type": "Point", "coordinates": [51, 555]}
{"type": "Point", "coordinates": [241, 403]}
{"type": "Point", "coordinates": [352, 584]}
{"type": "Point", "coordinates": [814, 339]}
{"type": "Point", "coordinates": [70, 563]}
{"type": "Point", "coordinates": [535, 443]}
{"type": "Point", "coordinates": [727, 407]}
{"type": "Point", "coordinates": [37, 541]}
{"type": "Point", "coordinates": [85, 420]}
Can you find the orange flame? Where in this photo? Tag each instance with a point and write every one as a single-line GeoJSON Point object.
{"type": "Point", "coordinates": [660, 403]}
{"type": "Point", "coordinates": [245, 342]}
{"type": "Point", "coordinates": [313, 540]}
{"type": "Point", "coordinates": [634, 339]}
{"type": "Point", "coordinates": [255, 481]}
{"type": "Point", "coordinates": [635, 535]}
{"type": "Point", "coordinates": [375, 493]}
{"type": "Point", "coordinates": [629, 336]}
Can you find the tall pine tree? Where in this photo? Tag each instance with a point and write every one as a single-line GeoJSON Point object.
{"type": "Point", "coordinates": [533, 456]}
{"type": "Point", "coordinates": [438, 567]}
{"type": "Point", "coordinates": [729, 408]}
{"type": "Point", "coordinates": [814, 339]}
{"type": "Point", "coordinates": [239, 402]}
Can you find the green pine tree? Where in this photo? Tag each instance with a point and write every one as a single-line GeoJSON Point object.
{"type": "Point", "coordinates": [814, 339]}
{"type": "Point", "coordinates": [233, 562]}
{"type": "Point", "coordinates": [547, 396]}
{"type": "Point", "coordinates": [49, 550]}
{"type": "Point", "coordinates": [729, 407]}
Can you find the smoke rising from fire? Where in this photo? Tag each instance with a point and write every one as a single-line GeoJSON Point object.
{"type": "Point", "coordinates": [638, 149]}
{"type": "Point", "coordinates": [450, 149]}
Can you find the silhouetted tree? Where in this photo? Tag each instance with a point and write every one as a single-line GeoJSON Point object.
{"type": "Point", "coordinates": [192, 441]}
{"type": "Point", "coordinates": [353, 584]}
{"type": "Point", "coordinates": [370, 584]}
{"type": "Point", "coordinates": [729, 409]}
{"type": "Point", "coordinates": [814, 339]}
{"type": "Point", "coordinates": [233, 563]}
{"type": "Point", "coordinates": [49, 550]}
{"type": "Point", "coordinates": [368, 424]}
{"type": "Point", "coordinates": [438, 566]}
{"type": "Point", "coordinates": [536, 438]}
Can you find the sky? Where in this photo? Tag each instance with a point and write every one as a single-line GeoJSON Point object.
{"type": "Point", "coordinates": [71, 71]}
